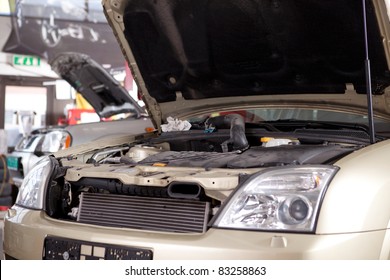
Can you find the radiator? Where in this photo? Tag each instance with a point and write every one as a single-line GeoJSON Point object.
{"type": "Point", "coordinates": [144, 213]}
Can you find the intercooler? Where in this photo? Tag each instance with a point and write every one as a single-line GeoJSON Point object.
{"type": "Point", "coordinates": [145, 213]}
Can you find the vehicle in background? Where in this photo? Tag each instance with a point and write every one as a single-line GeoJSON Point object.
{"type": "Point", "coordinates": [106, 95]}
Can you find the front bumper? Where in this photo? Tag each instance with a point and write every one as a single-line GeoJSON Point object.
{"type": "Point", "coordinates": [25, 231]}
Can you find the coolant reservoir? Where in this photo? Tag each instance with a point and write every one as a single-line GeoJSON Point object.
{"type": "Point", "coordinates": [274, 142]}
{"type": "Point", "coordinates": [138, 153]}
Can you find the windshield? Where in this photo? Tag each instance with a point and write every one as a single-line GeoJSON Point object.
{"type": "Point", "coordinates": [308, 115]}
{"type": "Point", "coordinates": [259, 115]}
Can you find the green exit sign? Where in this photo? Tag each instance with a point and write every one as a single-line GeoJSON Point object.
{"type": "Point", "coordinates": [27, 60]}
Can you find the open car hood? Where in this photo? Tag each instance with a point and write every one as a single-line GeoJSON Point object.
{"type": "Point", "coordinates": [105, 94]}
{"type": "Point", "coordinates": [190, 57]}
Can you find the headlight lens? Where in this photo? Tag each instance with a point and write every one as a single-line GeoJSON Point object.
{"type": "Point", "coordinates": [31, 192]}
{"type": "Point", "coordinates": [55, 141]}
{"type": "Point", "coordinates": [284, 199]}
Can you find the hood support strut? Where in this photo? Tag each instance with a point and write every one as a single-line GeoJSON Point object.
{"type": "Point", "coordinates": [368, 78]}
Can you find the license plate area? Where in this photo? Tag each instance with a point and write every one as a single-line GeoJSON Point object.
{"type": "Point", "coordinates": [56, 248]}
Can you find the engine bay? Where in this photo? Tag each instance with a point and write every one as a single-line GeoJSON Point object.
{"type": "Point", "coordinates": [176, 179]}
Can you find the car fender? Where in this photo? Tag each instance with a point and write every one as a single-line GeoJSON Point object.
{"type": "Point", "coordinates": [358, 197]}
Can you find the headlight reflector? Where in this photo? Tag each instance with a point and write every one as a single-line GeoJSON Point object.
{"type": "Point", "coordinates": [282, 199]}
{"type": "Point", "coordinates": [31, 192]}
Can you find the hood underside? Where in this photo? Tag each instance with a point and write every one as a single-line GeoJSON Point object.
{"type": "Point", "coordinates": [105, 94]}
{"type": "Point", "coordinates": [235, 48]}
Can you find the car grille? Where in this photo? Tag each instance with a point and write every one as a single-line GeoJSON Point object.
{"type": "Point", "coordinates": [146, 213]}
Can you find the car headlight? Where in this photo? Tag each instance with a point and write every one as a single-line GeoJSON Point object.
{"type": "Point", "coordinates": [283, 199]}
{"type": "Point", "coordinates": [55, 141]}
{"type": "Point", "coordinates": [31, 192]}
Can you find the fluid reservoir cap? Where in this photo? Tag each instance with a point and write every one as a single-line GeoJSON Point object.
{"type": "Point", "coordinates": [265, 139]}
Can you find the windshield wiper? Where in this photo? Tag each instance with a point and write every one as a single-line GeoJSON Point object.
{"type": "Point", "coordinates": [293, 124]}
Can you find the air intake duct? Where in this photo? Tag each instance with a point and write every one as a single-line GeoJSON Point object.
{"type": "Point", "coordinates": [184, 190]}
{"type": "Point", "coordinates": [237, 130]}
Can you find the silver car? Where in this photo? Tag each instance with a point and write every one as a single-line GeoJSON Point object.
{"type": "Point", "coordinates": [106, 95]}
{"type": "Point", "coordinates": [272, 140]}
